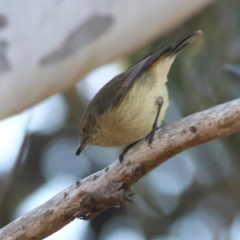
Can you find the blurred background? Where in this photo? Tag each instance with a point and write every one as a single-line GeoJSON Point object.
{"type": "Point", "coordinates": [193, 196]}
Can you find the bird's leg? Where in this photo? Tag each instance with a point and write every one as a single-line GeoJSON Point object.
{"type": "Point", "coordinates": [149, 137]}
{"type": "Point", "coordinates": [125, 151]}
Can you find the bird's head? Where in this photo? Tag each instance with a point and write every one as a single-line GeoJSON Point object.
{"type": "Point", "coordinates": [86, 131]}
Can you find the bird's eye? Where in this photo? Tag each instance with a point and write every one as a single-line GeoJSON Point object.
{"type": "Point", "coordinates": [85, 129]}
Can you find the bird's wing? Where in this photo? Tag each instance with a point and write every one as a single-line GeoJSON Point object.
{"type": "Point", "coordinates": [118, 87]}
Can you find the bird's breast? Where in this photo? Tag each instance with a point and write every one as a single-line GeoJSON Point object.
{"type": "Point", "coordinates": [133, 119]}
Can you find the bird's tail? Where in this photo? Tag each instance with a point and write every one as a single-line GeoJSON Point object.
{"type": "Point", "coordinates": [160, 61]}
{"type": "Point", "coordinates": [189, 39]}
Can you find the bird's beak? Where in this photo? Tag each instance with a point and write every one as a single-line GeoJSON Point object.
{"type": "Point", "coordinates": [81, 147]}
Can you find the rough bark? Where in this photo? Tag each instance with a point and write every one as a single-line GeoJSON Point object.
{"type": "Point", "coordinates": [110, 187]}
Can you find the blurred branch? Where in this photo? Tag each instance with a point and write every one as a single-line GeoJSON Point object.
{"type": "Point", "coordinates": [15, 169]}
{"type": "Point", "coordinates": [232, 69]}
{"type": "Point", "coordinates": [12, 174]}
{"type": "Point", "coordinates": [109, 187]}
{"type": "Point", "coordinates": [49, 61]}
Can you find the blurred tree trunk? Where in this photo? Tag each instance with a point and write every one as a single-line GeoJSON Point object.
{"type": "Point", "coordinates": [44, 53]}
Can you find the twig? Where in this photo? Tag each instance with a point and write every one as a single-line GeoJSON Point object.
{"type": "Point", "coordinates": [109, 187]}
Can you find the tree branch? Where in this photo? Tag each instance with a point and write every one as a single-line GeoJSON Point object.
{"type": "Point", "coordinates": [109, 187]}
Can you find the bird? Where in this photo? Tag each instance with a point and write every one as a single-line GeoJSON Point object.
{"type": "Point", "coordinates": [132, 105]}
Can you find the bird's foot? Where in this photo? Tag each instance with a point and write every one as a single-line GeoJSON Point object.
{"type": "Point", "coordinates": [121, 156]}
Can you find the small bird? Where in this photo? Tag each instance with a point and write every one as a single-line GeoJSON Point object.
{"type": "Point", "coordinates": [132, 105]}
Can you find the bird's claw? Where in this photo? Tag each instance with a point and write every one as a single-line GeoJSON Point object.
{"type": "Point", "coordinates": [121, 157]}
{"type": "Point", "coordinates": [149, 139]}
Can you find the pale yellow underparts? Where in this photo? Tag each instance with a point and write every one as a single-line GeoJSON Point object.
{"type": "Point", "coordinates": [133, 119]}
